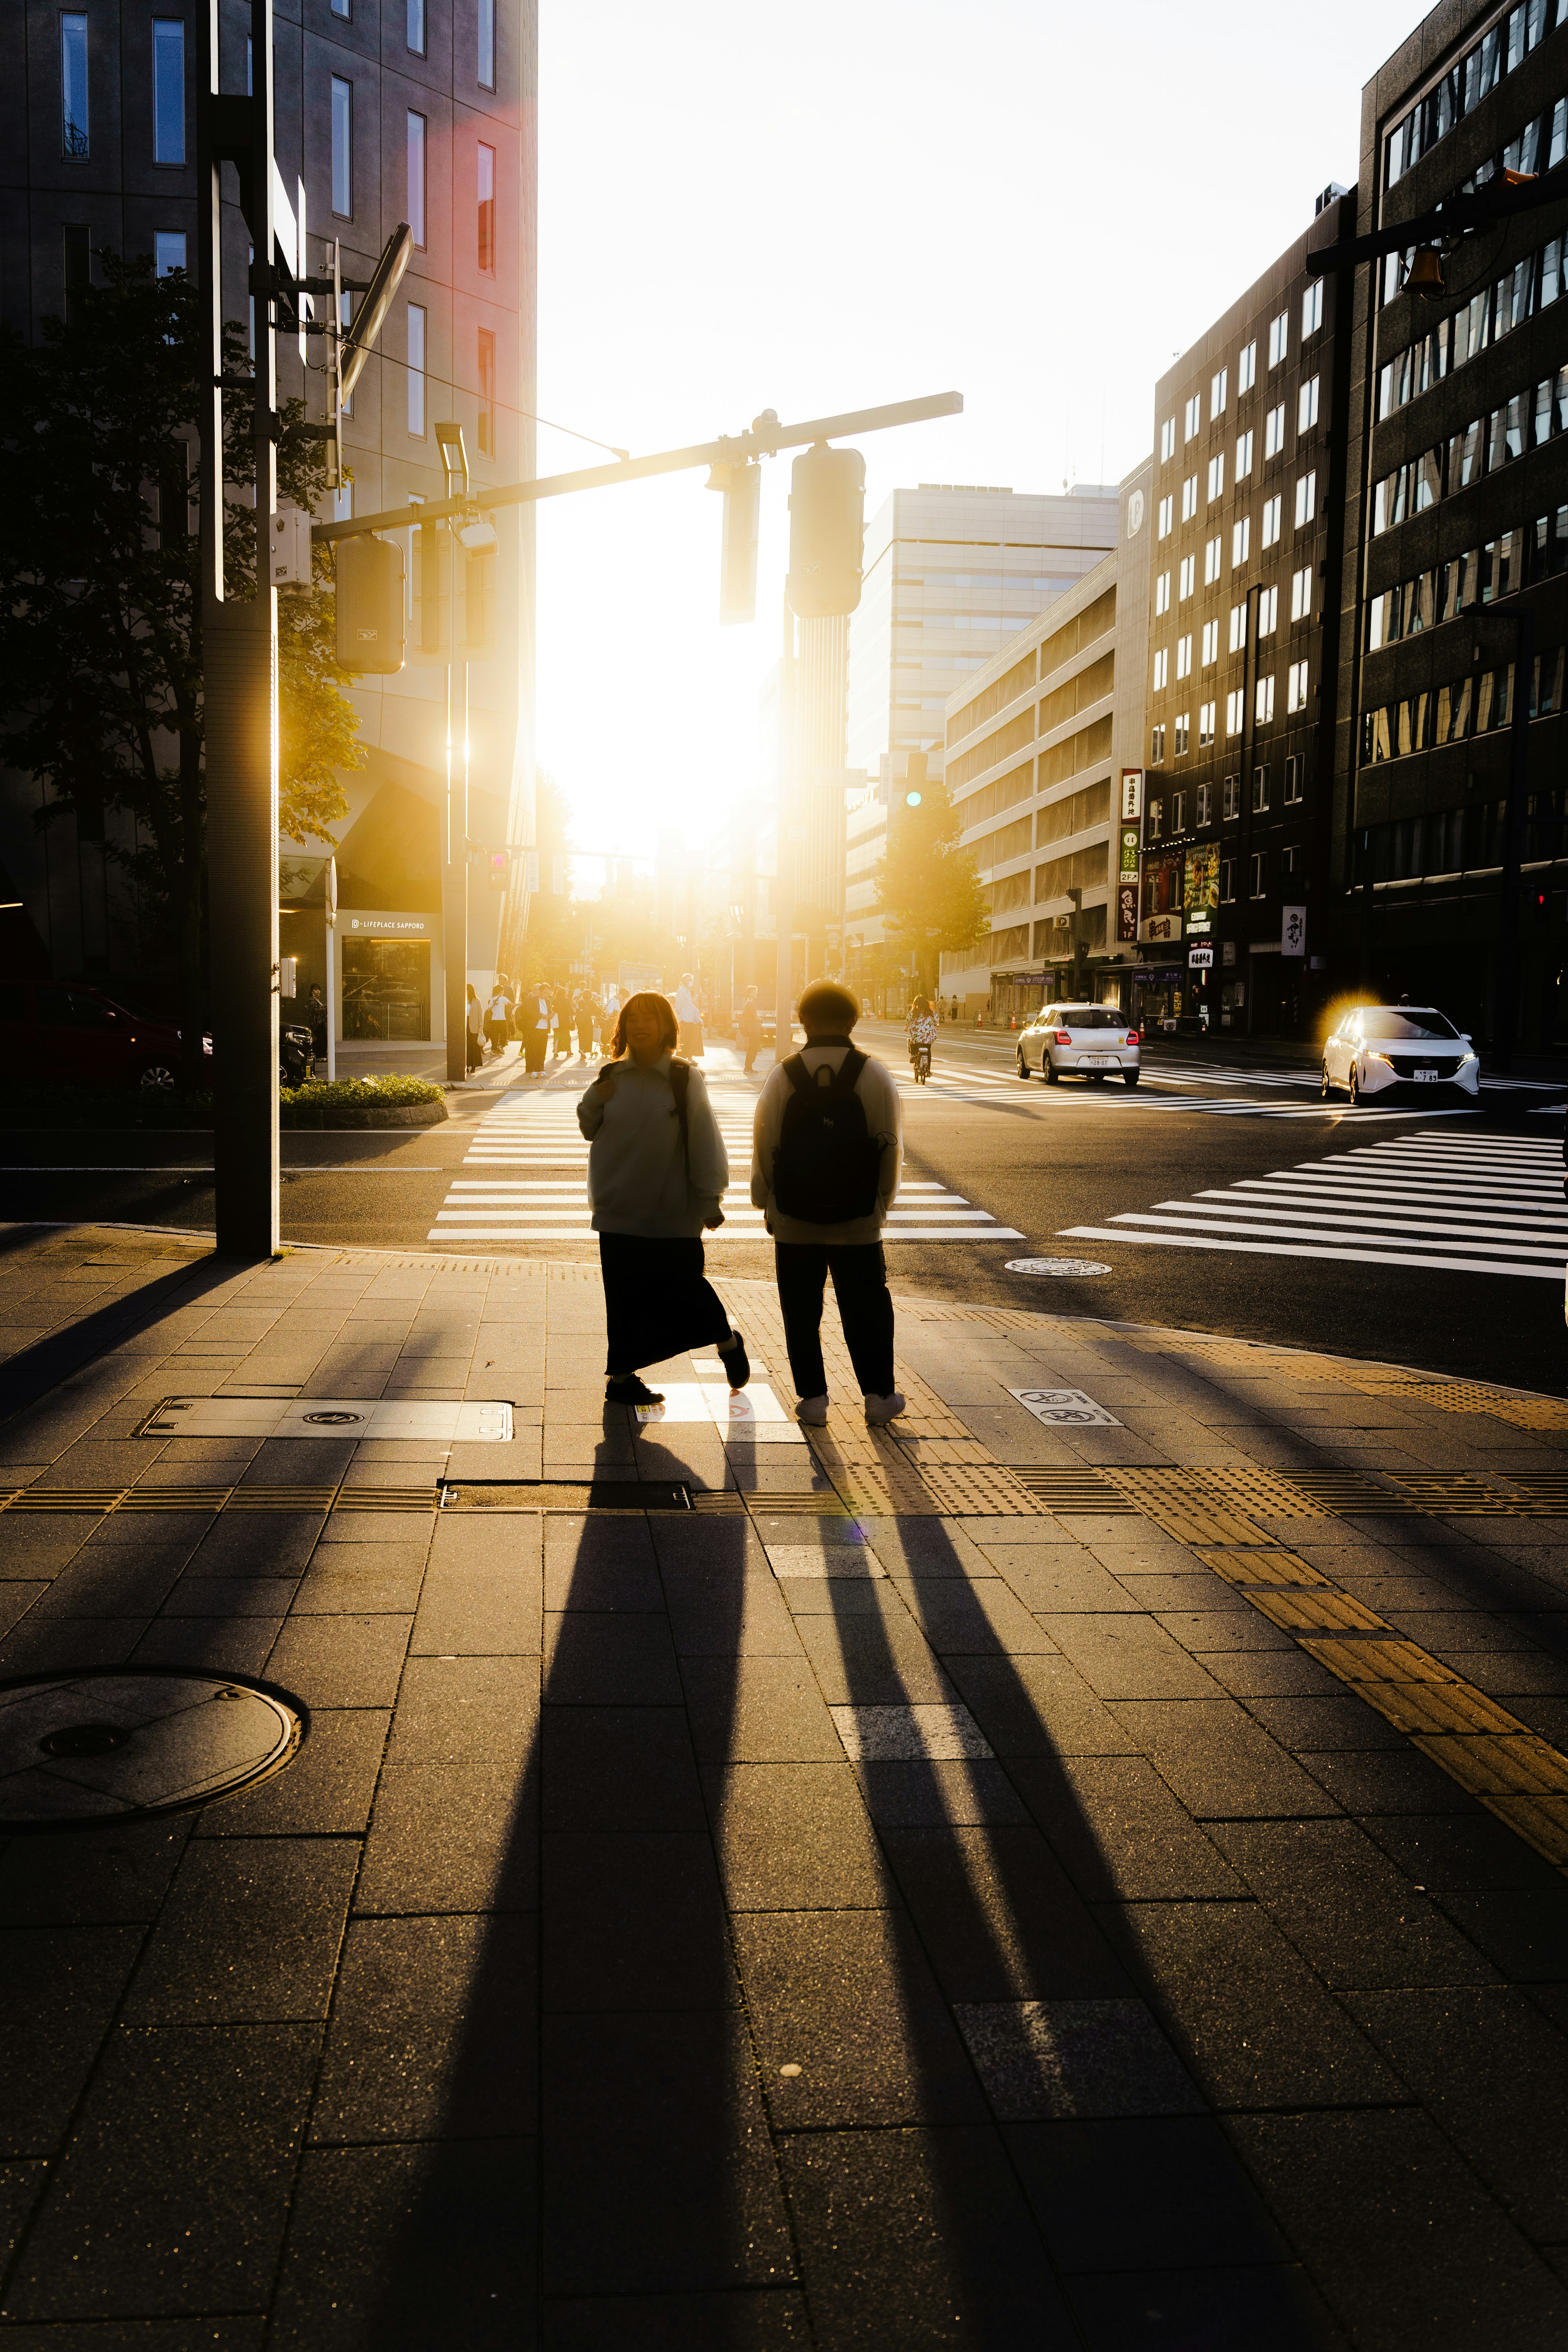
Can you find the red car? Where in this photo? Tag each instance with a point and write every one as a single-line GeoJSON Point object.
{"type": "Point", "coordinates": [74, 1035]}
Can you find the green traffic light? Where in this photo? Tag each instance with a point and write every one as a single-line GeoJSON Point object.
{"type": "Point", "coordinates": [911, 800]}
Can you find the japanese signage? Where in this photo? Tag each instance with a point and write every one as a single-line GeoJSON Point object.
{"type": "Point", "coordinates": [1155, 928]}
{"type": "Point", "coordinates": [1200, 887]}
{"type": "Point", "coordinates": [1200, 959]}
{"type": "Point", "coordinates": [1127, 908]}
{"type": "Point", "coordinates": [1131, 795]}
{"type": "Point", "coordinates": [1292, 931]}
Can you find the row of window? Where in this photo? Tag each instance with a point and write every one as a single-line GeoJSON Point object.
{"type": "Point", "coordinates": [1200, 801]}
{"type": "Point", "coordinates": [1465, 582]}
{"type": "Point", "coordinates": [1271, 522]}
{"type": "Point", "coordinates": [416, 33]}
{"type": "Point", "coordinates": [1537, 147]}
{"type": "Point", "coordinates": [1451, 714]}
{"type": "Point", "coordinates": [1531, 286]}
{"type": "Point", "coordinates": [1246, 372]}
{"type": "Point", "coordinates": [1268, 623]}
{"type": "Point", "coordinates": [1268, 600]}
{"type": "Point", "coordinates": [1296, 691]}
{"type": "Point", "coordinates": [1461, 89]}
{"type": "Point", "coordinates": [1455, 840]}
{"type": "Point", "coordinates": [1486, 444]}
{"type": "Point", "coordinates": [417, 150]}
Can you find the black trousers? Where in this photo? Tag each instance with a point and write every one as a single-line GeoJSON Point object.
{"type": "Point", "coordinates": [658, 1300]}
{"type": "Point", "coordinates": [859, 1274]}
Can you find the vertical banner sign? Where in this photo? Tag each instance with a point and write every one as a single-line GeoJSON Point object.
{"type": "Point", "coordinates": [1127, 887]}
{"type": "Point", "coordinates": [1292, 931]}
{"type": "Point", "coordinates": [1131, 795]}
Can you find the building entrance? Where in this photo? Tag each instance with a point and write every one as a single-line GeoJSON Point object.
{"type": "Point", "coordinates": [387, 992]}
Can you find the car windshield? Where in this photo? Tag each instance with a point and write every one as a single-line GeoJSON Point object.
{"type": "Point", "coordinates": [1392, 1023]}
{"type": "Point", "coordinates": [1091, 1016]}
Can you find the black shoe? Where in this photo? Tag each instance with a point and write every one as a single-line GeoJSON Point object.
{"type": "Point", "coordinates": [631, 1390]}
{"type": "Point", "coordinates": [735, 1361]}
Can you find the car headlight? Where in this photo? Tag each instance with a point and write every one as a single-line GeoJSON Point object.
{"type": "Point", "coordinates": [1379, 1057]}
{"type": "Point", "coordinates": [206, 1044]}
{"type": "Point", "coordinates": [1466, 1057]}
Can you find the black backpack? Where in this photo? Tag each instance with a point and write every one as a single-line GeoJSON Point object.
{"type": "Point", "coordinates": [828, 1163]}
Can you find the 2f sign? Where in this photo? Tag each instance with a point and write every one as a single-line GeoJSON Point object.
{"type": "Point", "coordinates": [1131, 795]}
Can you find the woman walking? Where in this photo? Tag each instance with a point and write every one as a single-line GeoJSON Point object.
{"type": "Point", "coordinates": [749, 1029]}
{"type": "Point", "coordinates": [657, 1173]}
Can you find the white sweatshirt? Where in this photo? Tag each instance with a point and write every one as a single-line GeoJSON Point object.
{"type": "Point", "coordinates": [637, 1182]}
{"type": "Point", "coordinates": [884, 1120]}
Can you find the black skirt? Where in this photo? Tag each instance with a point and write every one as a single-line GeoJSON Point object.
{"type": "Point", "coordinates": [657, 1302]}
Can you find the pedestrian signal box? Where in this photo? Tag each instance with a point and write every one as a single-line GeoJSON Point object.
{"type": "Point", "coordinates": [743, 488]}
{"type": "Point", "coordinates": [827, 531]}
{"type": "Point", "coordinates": [500, 869]}
{"type": "Point", "coordinates": [369, 605]}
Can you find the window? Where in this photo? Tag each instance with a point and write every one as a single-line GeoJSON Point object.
{"type": "Point", "coordinates": [1167, 517]}
{"type": "Point", "coordinates": [1211, 558]}
{"type": "Point", "coordinates": [341, 8]}
{"type": "Point", "coordinates": [168, 89]}
{"type": "Point", "coordinates": [1306, 498]}
{"type": "Point", "coordinates": [1307, 407]}
{"type": "Point", "coordinates": [417, 324]}
{"type": "Point", "coordinates": [1237, 628]}
{"type": "Point", "coordinates": [1182, 725]}
{"type": "Point", "coordinates": [1235, 711]}
{"type": "Point", "coordinates": [1205, 805]}
{"type": "Point", "coordinates": [168, 250]}
{"type": "Point", "coordinates": [1228, 880]}
{"type": "Point", "coordinates": [1189, 497]}
{"type": "Point", "coordinates": [417, 137]}
{"type": "Point", "coordinates": [1312, 309]}
{"type": "Point", "coordinates": [1156, 827]}
{"type": "Point", "coordinates": [1206, 724]}
{"type": "Point", "coordinates": [487, 392]}
{"type": "Point", "coordinates": [487, 43]}
{"type": "Point", "coordinates": [1194, 417]}
{"type": "Point", "coordinates": [1184, 656]}
{"type": "Point", "coordinates": [1217, 388]}
{"type": "Point", "coordinates": [1278, 338]}
{"type": "Point", "coordinates": [1210, 650]}
{"type": "Point", "coordinates": [1187, 579]}
{"type": "Point", "coordinates": [1162, 592]}
{"type": "Point", "coordinates": [73, 85]}
{"type": "Point", "coordinates": [1290, 862]}
{"type": "Point", "coordinates": [1162, 670]}
{"type": "Point", "coordinates": [1301, 595]}
{"type": "Point", "coordinates": [1259, 789]}
{"type": "Point", "coordinates": [1240, 541]}
{"type": "Point", "coordinates": [1243, 456]}
{"type": "Point", "coordinates": [1157, 746]}
{"type": "Point", "coordinates": [1232, 799]}
{"type": "Point", "coordinates": [1270, 531]}
{"type": "Point", "coordinates": [1268, 612]}
{"type": "Point", "coordinates": [416, 35]}
{"type": "Point", "coordinates": [487, 188]}
{"type": "Point", "coordinates": [1259, 884]}
{"type": "Point", "coordinates": [1292, 782]}
{"type": "Point", "coordinates": [1296, 688]}
{"type": "Point", "coordinates": [1167, 440]}
{"type": "Point", "coordinates": [1178, 812]}
{"type": "Point", "coordinates": [1216, 477]}
{"type": "Point", "coordinates": [1274, 431]}
{"type": "Point", "coordinates": [342, 147]}
{"type": "Point", "coordinates": [1247, 369]}
{"type": "Point", "coordinates": [1263, 706]}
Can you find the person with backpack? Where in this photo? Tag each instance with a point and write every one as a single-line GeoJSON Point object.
{"type": "Point", "coordinates": [827, 1147]}
{"type": "Point", "coordinates": [657, 1174]}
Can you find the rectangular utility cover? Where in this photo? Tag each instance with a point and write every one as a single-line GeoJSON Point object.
{"type": "Point", "coordinates": [438, 1423]}
{"type": "Point", "coordinates": [1065, 1409]}
{"type": "Point", "coordinates": [710, 1402]}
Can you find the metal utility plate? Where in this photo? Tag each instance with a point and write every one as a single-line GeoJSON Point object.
{"type": "Point", "coordinates": [567, 1495]}
{"type": "Point", "coordinates": [749, 1417]}
{"type": "Point", "coordinates": [1065, 1409]}
{"type": "Point", "coordinates": [438, 1421]}
{"type": "Point", "coordinates": [115, 1743]}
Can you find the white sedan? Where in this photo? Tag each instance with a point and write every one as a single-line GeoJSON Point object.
{"type": "Point", "coordinates": [1092, 1041]}
{"type": "Point", "coordinates": [1377, 1047]}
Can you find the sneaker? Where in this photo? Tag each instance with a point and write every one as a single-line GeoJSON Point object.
{"type": "Point", "coordinates": [883, 1408]}
{"type": "Point", "coordinates": [632, 1389]}
{"type": "Point", "coordinates": [736, 1361]}
{"type": "Point", "coordinates": [813, 1411]}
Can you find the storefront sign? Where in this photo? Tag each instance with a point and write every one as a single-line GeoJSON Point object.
{"type": "Point", "coordinates": [1131, 795]}
{"type": "Point", "coordinates": [1128, 849]}
{"type": "Point", "coordinates": [1200, 884]}
{"type": "Point", "coordinates": [1200, 959]}
{"type": "Point", "coordinates": [1127, 908]}
{"type": "Point", "coordinates": [1293, 931]}
{"type": "Point", "coordinates": [387, 927]}
{"type": "Point", "coordinates": [1156, 930]}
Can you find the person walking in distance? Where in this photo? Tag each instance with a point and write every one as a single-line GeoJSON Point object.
{"type": "Point", "coordinates": [689, 1016]}
{"type": "Point", "coordinates": [496, 1020]}
{"type": "Point", "coordinates": [476, 1028]}
{"type": "Point", "coordinates": [657, 1174]}
{"type": "Point", "coordinates": [587, 1010]}
{"type": "Point", "coordinates": [827, 1147]}
{"type": "Point", "coordinates": [533, 1022]}
{"type": "Point", "coordinates": [749, 1029]}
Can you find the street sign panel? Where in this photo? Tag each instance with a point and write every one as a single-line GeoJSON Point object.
{"type": "Point", "coordinates": [1200, 959]}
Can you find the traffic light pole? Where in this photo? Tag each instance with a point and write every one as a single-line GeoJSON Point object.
{"type": "Point", "coordinates": [455, 864]}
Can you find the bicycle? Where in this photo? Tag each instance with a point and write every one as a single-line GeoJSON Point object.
{"type": "Point", "coordinates": [920, 1056]}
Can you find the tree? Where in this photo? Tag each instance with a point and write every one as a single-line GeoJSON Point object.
{"type": "Point", "coordinates": [928, 889]}
{"type": "Point", "coordinates": [100, 651]}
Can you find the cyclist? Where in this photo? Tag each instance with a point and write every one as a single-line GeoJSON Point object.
{"type": "Point", "coordinates": [920, 1031]}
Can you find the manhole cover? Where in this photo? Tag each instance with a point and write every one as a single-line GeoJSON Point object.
{"type": "Point", "coordinates": [1055, 1265]}
{"type": "Point", "coordinates": [113, 1743]}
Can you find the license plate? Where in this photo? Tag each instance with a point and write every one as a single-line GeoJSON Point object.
{"type": "Point", "coordinates": [1428, 1076]}
{"type": "Point", "coordinates": [1097, 1061]}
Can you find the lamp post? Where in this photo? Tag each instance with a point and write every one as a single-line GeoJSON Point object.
{"type": "Point", "coordinates": [1505, 1015]}
{"type": "Point", "coordinates": [454, 857]}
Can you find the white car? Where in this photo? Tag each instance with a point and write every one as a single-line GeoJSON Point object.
{"type": "Point", "coordinates": [1095, 1041]}
{"type": "Point", "coordinates": [1410, 1048]}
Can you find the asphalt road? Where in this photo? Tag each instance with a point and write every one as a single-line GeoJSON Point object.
{"type": "Point", "coordinates": [1420, 1236]}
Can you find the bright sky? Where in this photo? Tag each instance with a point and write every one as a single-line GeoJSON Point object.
{"type": "Point", "coordinates": [829, 206]}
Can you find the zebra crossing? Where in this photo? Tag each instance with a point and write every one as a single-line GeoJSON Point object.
{"type": "Point", "coordinates": [1447, 1201]}
{"type": "Point", "coordinates": [536, 1135]}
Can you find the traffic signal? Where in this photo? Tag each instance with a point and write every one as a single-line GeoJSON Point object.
{"type": "Point", "coordinates": [500, 863]}
{"type": "Point", "coordinates": [743, 488]}
{"type": "Point", "coordinates": [827, 531]}
{"type": "Point", "coordinates": [369, 605]}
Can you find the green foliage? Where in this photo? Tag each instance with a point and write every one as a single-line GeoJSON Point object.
{"type": "Point", "coordinates": [928, 889]}
{"type": "Point", "coordinates": [388, 1092]}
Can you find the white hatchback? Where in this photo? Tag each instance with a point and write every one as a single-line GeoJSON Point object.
{"type": "Point", "coordinates": [1410, 1048]}
{"type": "Point", "coordinates": [1092, 1041]}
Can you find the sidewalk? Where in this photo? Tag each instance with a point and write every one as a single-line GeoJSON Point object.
{"type": "Point", "coordinates": [1094, 1884]}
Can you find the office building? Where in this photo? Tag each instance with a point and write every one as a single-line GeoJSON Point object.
{"type": "Point", "coordinates": [386, 111]}
{"type": "Point", "coordinates": [1034, 746]}
{"type": "Point", "coordinates": [1457, 433]}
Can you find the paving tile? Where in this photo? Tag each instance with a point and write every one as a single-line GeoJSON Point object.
{"type": "Point", "coordinates": [1116, 1826]}
{"type": "Point", "coordinates": [1224, 2310]}
{"type": "Point", "coordinates": [1384, 1782]}
{"type": "Point", "coordinates": [1329, 1719]}
{"type": "Point", "coordinates": [1398, 2231]}
{"type": "Point", "coordinates": [944, 1732]}
{"type": "Point", "coordinates": [263, 1543]}
{"type": "Point", "coordinates": [341, 1661]}
{"type": "Point", "coordinates": [792, 1837]}
{"type": "Point", "coordinates": [910, 2239]}
{"type": "Point", "coordinates": [248, 1934]}
{"type": "Point", "coordinates": [763, 1710]}
{"type": "Point", "coordinates": [1056, 1580]}
{"type": "Point", "coordinates": [634, 1921]}
{"type": "Point", "coordinates": [433, 2033]}
{"type": "Point", "coordinates": [1268, 1673]}
{"type": "Point", "coordinates": [117, 1873]}
{"type": "Point", "coordinates": [823, 1596]}
{"type": "Point", "coordinates": [1037, 1706]}
{"type": "Point", "coordinates": [102, 1582]}
{"type": "Point", "coordinates": [1352, 1915]}
{"type": "Point", "coordinates": [348, 1581]}
{"type": "Point", "coordinates": [1220, 1763]}
{"type": "Point", "coordinates": [756, 2320]}
{"type": "Point", "coordinates": [924, 1794]}
{"type": "Point", "coordinates": [173, 2191]}
{"type": "Point", "coordinates": [1523, 1930]}
{"type": "Point", "coordinates": [871, 1661]}
{"type": "Point", "coordinates": [326, 1791]}
{"type": "Point", "coordinates": [482, 1612]}
{"type": "Point", "coordinates": [593, 1576]}
{"type": "Point", "coordinates": [848, 1999]}
{"type": "Point", "coordinates": [1129, 1658]}
{"type": "Point", "coordinates": [999, 1916]}
{"type": "Point", "coordinates": [735, 1616]}
{"type": "Point", "coordinates": [658, 2174]}
{"type": "Point", "coordinates": [1042, 2059]}
{"type": "Point", "coordinates": [62, 1988]}
{"type": "Point", "coordinates": [619, 1769]}
{"type": "Point", "coordinates": [453, 1710]}
{"type": "Point", "coordinates": [1461, 1853]}
{"type": "Point", "coordinates": [451, 1837]}
{"type": "Point", "coordinates": [598, 1660]}
{"type": "Point", "coordinates": [408, 2246]}
{"type": "Point", "coordinates": [827, 1564]}
{"type": "Point", "coordinates": [1142, 2193]}
{"type": "Point", "coordinates": [973, 1617]}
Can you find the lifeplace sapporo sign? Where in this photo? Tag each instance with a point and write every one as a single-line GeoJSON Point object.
{"type": "Point", "coordinates": [388, 926]}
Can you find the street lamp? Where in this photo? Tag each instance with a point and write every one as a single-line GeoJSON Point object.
{"type": "Point", "coordinates": [455, 862]}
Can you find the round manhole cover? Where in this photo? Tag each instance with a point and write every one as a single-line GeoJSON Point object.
{"type": "Point", "coordinates": [1055, 1265]}
{"type": "Point", "coordinates": [117, 1743]}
